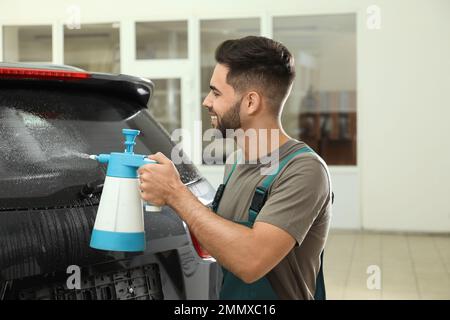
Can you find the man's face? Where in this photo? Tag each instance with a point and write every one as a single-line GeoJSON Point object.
{"type": "Point", "coordinates": [222, 102]}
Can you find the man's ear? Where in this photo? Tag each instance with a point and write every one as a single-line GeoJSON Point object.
{"type": "Point", "coordinates": [253, 102]}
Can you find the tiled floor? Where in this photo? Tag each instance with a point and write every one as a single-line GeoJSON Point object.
{"type": "Point", "coordinates": [368, 265]}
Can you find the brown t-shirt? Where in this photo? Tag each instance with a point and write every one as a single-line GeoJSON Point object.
{"type": "Point", "coordinates": [299, 202]}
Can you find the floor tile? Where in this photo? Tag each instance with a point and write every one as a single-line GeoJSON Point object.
{"type": "Point", "coordinates": [412, 266]}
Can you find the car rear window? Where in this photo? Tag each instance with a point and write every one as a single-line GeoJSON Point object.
{"type": "Point", "coordinates": [47, 133]}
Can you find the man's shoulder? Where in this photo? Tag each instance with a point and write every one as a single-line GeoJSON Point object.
{"type": "Point", "coordinates": [304, 168]}
{"type": "Point", "coordinates": [303, 160]}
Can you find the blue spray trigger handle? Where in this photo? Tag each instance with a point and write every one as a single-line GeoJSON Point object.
{"type": "Point", "coordinates": [130, 137]}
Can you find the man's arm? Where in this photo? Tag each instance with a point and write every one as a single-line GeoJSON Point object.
{"type": "Point", "coordinates": [249, 253]}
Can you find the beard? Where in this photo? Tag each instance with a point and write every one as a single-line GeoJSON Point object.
{"type": "Point", "coordinates": [230, 119]}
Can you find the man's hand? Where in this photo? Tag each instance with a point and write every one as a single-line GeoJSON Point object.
{"type": "Point", "coordinates": [159, 182]}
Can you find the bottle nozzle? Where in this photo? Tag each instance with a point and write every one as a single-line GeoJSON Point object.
{"type": "Point", "coordinates": [102, 158]}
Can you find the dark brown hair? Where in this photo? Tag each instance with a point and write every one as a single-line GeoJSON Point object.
{"type": "Point", "coordinates": [260, 63]}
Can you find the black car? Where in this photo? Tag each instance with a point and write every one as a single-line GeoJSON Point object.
{"type": "Point", "coordinates": [51, 119]}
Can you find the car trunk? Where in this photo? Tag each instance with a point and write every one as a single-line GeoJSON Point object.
{"type": "Point", "coordinates": [49, 188]}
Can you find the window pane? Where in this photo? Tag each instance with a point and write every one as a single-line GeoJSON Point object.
{"type": "Point", "coordinates": [93, 47]}
{"type": "Point", "coordinates": [161, 40]}
{"type": "Point", "coordinates": [321, 109]}
{"type": "Point", "coordinates": [27, 43]}
{"type": "Point", "coordinates": [166, 103]}
{"type": "Point", "coordinates": [212, 34]}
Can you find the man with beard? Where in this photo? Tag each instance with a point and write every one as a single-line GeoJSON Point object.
{"type": "Point", "coordinates": [266, 231]}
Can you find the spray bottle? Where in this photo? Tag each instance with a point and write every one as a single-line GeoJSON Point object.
{"type": "Point", "coordinates": [119, 225]}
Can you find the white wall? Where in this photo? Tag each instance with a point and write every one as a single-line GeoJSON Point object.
{"type": "Point", "coordinates": [404, 100]}
{"type": "Point", "coordinates": [403, 85]}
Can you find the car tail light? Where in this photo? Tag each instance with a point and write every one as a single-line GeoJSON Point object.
{"type": "Point", "coordinates": [201, 252]}
{"type": "Point", "coordinates": [47, 74]}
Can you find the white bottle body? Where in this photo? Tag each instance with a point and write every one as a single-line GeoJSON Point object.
{"type": "Point", "coordinates": [120, 208]}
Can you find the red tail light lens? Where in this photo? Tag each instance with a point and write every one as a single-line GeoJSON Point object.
{"type": "Point", "coordinates": [47, 74]}
{"type": "Point", "coordinates": [201, 252]}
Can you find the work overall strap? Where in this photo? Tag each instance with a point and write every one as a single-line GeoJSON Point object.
{"type": "Point", "coordinates": [262, 191]}
{"type": "Point", "coordinates": [221, 189]}
{"type": "Point", "coordinates": [258, 201]}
